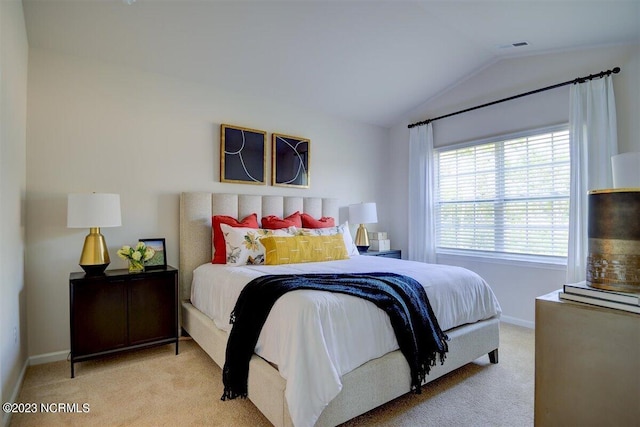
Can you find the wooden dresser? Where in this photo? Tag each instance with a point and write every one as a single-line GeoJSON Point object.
{"type": "Point", "coordinates": [587, 366]}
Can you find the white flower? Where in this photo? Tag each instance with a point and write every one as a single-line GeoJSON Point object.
{"type": "Point", "coordinates": [125, 252]}
{"type": "Point", "coordinates": [141, 252]}
{"type": "Point", "coordinates": [149, 254]}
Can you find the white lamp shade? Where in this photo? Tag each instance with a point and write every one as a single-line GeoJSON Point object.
{"type": "Point", "coordinates": [93, 210]}
{"type": "Point", "coordinates": [363, 213]}
{"type": "Point", "coordinates": [626, 170]}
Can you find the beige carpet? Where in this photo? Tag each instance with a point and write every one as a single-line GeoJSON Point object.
{"type": "Point", "coordinates": [154, 387]}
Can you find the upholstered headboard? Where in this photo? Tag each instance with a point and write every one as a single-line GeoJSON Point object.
{"type": "Point", "coordinates": [196, 210]}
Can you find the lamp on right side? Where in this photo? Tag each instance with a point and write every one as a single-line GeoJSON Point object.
{"type": "Point", "coordinates": [625, 169]}
{"type": "Point", "coordinates": [363, 213]}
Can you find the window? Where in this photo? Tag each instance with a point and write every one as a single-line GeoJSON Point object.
{"type": "Point", "coordinates": [507, 196]}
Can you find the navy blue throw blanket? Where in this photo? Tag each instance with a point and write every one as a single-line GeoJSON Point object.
{"type": "Point", "coordinates": [419, 336]}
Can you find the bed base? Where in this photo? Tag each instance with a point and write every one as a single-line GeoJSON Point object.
{"type": "Point", "coordinates": [368, 386]}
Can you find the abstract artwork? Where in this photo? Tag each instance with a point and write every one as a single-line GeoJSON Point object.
{"type": "Point", "coordinates": [243, 156]}
{"type": "Point", "coordinates": [290, 161]}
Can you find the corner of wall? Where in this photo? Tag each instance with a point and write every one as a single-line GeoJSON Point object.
{"type": "Point", "coordinates": [13, 118]}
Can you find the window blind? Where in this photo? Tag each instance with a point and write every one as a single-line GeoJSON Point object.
{"type": "Point", "coordinates": [506, 196]}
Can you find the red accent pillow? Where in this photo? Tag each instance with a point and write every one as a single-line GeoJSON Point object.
{"type": "Point", "coordinates": [220, 255]}
{"type": "Point", "coordinates": [309, 222]}
{"type": "Point", "coordinates": [273, 222]}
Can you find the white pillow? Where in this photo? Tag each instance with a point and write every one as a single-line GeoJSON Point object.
{"type": "Point", "coordinates": [243, 244]}
{"type": "Point", "coordinates": [343, 229]}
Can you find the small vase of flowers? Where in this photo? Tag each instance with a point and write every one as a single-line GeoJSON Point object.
{"type": "Point", "coordinates": [136, 256]}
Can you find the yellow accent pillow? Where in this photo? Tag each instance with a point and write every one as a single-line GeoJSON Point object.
{"type": "Point", "coordinates": [298, 249]}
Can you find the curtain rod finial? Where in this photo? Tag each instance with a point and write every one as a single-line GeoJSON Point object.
{"type": "Point", "coordinates": [616, 70]}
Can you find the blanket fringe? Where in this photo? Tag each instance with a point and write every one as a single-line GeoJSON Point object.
{"type": "Point", "coordinates": [232, 391]}
{"type": "Point", "coordinates": [425, 368]}
{"type": "Point", "coordinates": [230, 395]}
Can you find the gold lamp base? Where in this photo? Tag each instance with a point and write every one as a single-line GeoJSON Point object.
{"type": "Point", "coordinates": [95, 255]}
{"type": "Point", "coordinates": [362, 239]}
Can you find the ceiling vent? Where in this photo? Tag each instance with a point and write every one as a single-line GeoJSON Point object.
{"type": "Point", "coordinates": [512, 45]}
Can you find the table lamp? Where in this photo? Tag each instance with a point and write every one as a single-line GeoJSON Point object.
{"type": "Point", "coordinates": [625, 169]}
{"type": "Point", "coordinates": [93, 211]}
{"type": "Point", "coordinates": [363, 213]}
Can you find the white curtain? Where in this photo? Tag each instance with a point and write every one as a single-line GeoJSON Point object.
{"type": "Point", "coordinates": [422, 238]}
{"type": "Point", "coordinates": [592, 123]}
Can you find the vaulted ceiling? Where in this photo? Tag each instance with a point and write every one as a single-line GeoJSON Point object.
{"type": "Point", "coordinates": [361, 60]}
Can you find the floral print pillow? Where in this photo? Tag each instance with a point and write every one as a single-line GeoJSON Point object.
{"type": "Point", "coordinates": [243, 244]}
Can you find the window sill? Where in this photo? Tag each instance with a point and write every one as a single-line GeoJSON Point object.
{"type": "Point", "coordinates": [549, 263]}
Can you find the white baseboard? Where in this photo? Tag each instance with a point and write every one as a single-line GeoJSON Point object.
{"type": "Point", "coordinates": [49, 357]}
{"type": "Point", "coordinates": [33, 360]}
{"type": "Point", "coordinates": [518, 322]}
{"type": "Point", "coordinates": [6, 417]}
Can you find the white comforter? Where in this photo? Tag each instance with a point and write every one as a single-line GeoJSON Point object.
{"type": "Point", "coordinates": [315, 337]}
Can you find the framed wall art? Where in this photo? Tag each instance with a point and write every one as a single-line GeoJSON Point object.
{"type": "Point", "coordinates": [290, 161]}
{"type": "Point", "coordinates": [159, 259]}
{"type": "Point", "coordinates": [243, 157]}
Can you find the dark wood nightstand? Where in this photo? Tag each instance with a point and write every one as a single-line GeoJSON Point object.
{"type": "Point", "coordinates": [393, 253]}
{"type": "Point", "coordinates": [119, 311]}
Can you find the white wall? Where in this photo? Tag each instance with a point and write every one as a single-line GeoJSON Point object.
{"type": "Point", "coordinates": [13, 119]}
{"type": "Point", "coordinates": [98, 127]}
{"type": "Point", "coordinates": [516, 285]}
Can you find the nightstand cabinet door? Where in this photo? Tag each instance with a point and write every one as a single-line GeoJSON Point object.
{"type": "Point", "coordinates": [100, 317]}
{"type": "Point", "coordinates": [149, 319]}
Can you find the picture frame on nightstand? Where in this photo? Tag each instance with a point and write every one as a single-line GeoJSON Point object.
{"type": "Point", "coordinates": [159, 259]}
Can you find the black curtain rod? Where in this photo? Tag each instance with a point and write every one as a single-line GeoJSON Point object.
{"type": "Point", "coordinates": [601, 74]}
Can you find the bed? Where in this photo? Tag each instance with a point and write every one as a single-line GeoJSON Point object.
{"type": "Point", "coordinates": [362, 388]}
